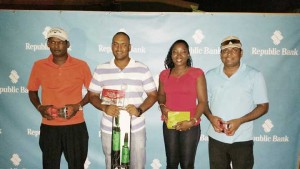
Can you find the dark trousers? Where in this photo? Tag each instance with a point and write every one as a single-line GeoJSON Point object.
{"type": "Point", "coordinates": [181, 147]}
{"type": "Point", "coordinates": [72, 140]}
{"type": "Point", "coordinates": [240, 154]}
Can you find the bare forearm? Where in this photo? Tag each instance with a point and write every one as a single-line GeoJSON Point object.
{"type": "Point", "coordinates": [34, 98]}
{"type": "Point", "coordinates": [207, 112]}
{"type": "Point", "coordinates": [161, 99]}
{"type": "Point", "coordinates": [260, 110]}
{"type": "Point", "coordinates": [148, 102]}
{"type": "Point", "coordinates": [199, 110]}
{"type": "Point", "coordinates": [85, 99]}
{"type": "Point", "coordinates": [96, 102]}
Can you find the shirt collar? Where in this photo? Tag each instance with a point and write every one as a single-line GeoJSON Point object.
{"type": "Point", "coordinates": [131, 62]}
{"type": "Point", "coordinates": [239, 71]}
{"type": "Point", "coordinates": [68, 61]}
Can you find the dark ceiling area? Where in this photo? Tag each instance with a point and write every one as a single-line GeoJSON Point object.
{"type": "Point", "coordinates": [257, 6]}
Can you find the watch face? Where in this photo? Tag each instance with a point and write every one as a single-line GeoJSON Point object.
{"type": "Point", "coordinates": [140, 111]}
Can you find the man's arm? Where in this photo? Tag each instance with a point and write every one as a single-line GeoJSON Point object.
{"type": "Point", "coordinates": [96, 101]}
{"type": "Point", "coordinates": [161, 99]}
{"type": "Point", "coordinates": [76, 107]}
{"type": "Point", "coordinates": [214, 120]}
{"type": "Point", "coordinates": [259, 111]}
{"type": "Point", "coordinates": [148, 102]}
{"type": "Point", "coordinates": [35, 100]}
{"type": "Point", "coordinates": [111, 110]}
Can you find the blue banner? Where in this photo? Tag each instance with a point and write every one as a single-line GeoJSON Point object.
{"type": "Point", "coordinates": [270, 43]}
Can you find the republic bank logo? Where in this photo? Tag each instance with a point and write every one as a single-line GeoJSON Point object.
{"type": "Point", "coordinates": [87, 163]}
{"type": "Point", "coordinates": [277, 37]}
{"type": "Point", "coordinates": [15, 159]}
{"type": "Point", "coordinates": [41, 46]}
{"type": "Point", "coordinates": [198, 36]}
{"type": "Point", "coordinates": [107, 49]}
{"type": "Point", "coordinates": [156, 164]}
{"type": "Point", "coordinates": [14, 77]}
{"type": "Point", "coordinates": [267, 137]}
{"type": "Point", "coordinates": [267, 125]}
{"type": "Point", "coordinates": [46, 30]}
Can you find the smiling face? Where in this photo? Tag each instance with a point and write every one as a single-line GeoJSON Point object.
{"type": "Point", "coordinates": [58, 47]}
{"type": "Point", "coordinates": [180, 54]}
{"type": "Point", "coordinates": [121, 47]}
{"type": "Point", "coordinates": [231, 57]}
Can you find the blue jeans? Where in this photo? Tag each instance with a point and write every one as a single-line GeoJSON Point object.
{"type": "Point", "coordinates": [240, 154]}
{"type": "Point", "coordinates": [137, 149]}
{"type": "Point", "coordinates": [181, 147]}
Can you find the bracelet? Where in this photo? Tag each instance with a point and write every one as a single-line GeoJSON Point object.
{"type": "Point", "coordinates": [161, 104]}
{"type": "Point", "coordinates": [80, 108]}
{"type": "Point", "coordinates": [140, 111]}
{"type": "Point", "coordinates": [194, 119]}
{"type": "Point", "coordinates": [39, 106]}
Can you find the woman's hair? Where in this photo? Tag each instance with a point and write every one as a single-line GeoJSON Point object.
{"type": "Point", "coordinates": [169, 62]}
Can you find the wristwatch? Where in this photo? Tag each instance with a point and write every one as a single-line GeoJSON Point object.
{"type": "Point", "coordinates": [140, 111]}
{"type": "Point", "coordinates": [80, 107]}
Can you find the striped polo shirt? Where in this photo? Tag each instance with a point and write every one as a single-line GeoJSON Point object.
{"type": "Point", "coordinates": [135, 79]}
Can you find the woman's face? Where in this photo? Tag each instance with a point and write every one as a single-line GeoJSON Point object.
{"type": "Point", "coordinates": [180, 54]}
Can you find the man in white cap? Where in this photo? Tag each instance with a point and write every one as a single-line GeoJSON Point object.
{"type": "Point", "coordinates": [61, 78]}
{"type": "Point", "coordinates": [237, 95]}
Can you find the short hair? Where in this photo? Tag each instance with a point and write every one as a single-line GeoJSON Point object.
{"type": "Point", "coordinates": [122, 33]}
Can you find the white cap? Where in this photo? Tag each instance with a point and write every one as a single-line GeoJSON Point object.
{"type": "Point", "coordinates": [57, 33]}
{"type": "Point", "coordinates": [231, 42]}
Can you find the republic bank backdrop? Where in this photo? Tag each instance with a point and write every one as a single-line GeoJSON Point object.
{"type": "Point", "coordinates": [271, 44]}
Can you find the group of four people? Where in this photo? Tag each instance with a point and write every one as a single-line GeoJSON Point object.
{"type": "Point", "coordinates": [236, 94]}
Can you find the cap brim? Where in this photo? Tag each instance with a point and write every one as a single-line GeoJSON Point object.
{"type": "Point", "coordinates": [238, 45]}
{"type": "Point", "coordinates": [59, 37]}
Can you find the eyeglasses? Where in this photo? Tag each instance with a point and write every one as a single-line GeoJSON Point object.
{"type": "Point", "coordinates": [233, 41]}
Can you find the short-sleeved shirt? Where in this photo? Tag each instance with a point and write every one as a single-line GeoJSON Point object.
{"type": "Point", "coordinates": [60, 85]}
{"type": "Point", "coordinates": [181, 92]}
{"type": "Point", "coordinates": [233, 97]}
{"type": "Point", "coordinates": [135, 76]}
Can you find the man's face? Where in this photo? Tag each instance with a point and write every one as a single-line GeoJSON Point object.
{"type": "Point", "coordinates": [231, 57]}
{"type": "Point", "coordinates": [58, 47]}
{"type": "Point", "coordinates": [121, 47]}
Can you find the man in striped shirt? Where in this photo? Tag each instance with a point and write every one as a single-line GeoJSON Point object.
{"type": "Point", "coordinates": [124, 73]}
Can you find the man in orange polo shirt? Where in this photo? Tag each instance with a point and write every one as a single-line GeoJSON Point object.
{"type": "Point", "coordinates": [61, 78]}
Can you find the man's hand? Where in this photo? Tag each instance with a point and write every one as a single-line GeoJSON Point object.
{"type": "Point", "coordinates": [71, 110]}
{"type": "Point", "coordinates": [132, 110]}
{"type": "Point", "coordinates": [112, 110]}
{"type": "Point", "coordinates": [216, 122]}
{"type": "Point", "coordinates": [233, 125]}
{"type": "Point", "coordinates": [45, 111]}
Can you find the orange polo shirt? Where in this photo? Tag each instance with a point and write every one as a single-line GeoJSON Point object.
{"type": "Point", "coordinates": [60, 85]}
